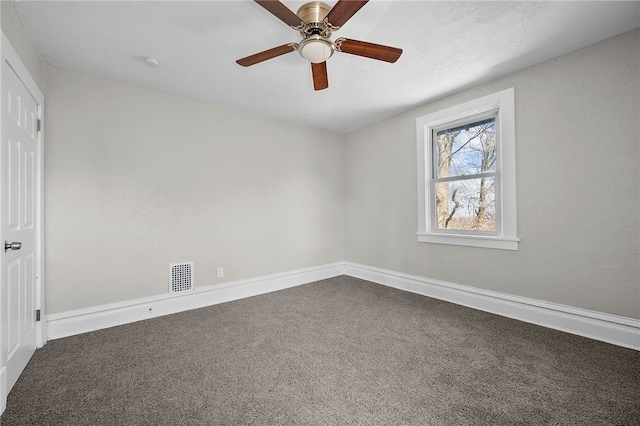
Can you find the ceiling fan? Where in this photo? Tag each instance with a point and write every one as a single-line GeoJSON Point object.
{"type": "Point", "coordinates": [316, 21]}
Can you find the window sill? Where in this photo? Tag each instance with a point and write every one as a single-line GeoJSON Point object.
{"type": "Point", "coordinates": [500, 243]}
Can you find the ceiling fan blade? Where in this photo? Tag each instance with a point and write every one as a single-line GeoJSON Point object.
{"type": "Point", "coordinates": [266, 54]}
{"type": "Point", "coordinates": [368, 50]}
{"type": "Point", "coordinates": [281, 12]}
{"type": "Point", "coordinates": [320, 77]}
{"type": "Point", "coordinates": [343, 11]}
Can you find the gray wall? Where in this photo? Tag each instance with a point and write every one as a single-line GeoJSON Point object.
{"type": "Point", "coordinates": [17, 35]}
{"type": "Point", "coordinates": [577, 137]}
{"type": "Point", "coordinates": [137, 179]}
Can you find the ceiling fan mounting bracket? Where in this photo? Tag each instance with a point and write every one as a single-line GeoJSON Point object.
{"type": "Point", "coordinates": [328, 25]}
{"type": "Point", "coordinates": [300, 27]}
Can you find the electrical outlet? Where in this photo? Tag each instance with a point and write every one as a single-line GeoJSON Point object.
{"type": "Point", "coordinates": [220, 272]}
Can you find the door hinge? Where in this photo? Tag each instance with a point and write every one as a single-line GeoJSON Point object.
{"type": "Point", "coordinates": [38, 315]}
{"type": "Point", "coordinates": [38, 124]}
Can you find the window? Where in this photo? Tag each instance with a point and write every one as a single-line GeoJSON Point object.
{"type": "Point", "coordinates": [466, 174]}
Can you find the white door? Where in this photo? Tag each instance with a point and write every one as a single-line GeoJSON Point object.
{"type": "Point", "coordinates": [20, 186]}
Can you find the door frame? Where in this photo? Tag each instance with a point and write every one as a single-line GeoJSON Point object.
{"type": "Point", "coordinates": [10, 58]}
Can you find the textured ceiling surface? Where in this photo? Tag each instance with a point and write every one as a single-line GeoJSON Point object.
{"type": "Point", "coordinates": [448, 46]}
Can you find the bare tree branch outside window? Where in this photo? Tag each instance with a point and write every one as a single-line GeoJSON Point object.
{"type": "Point", "coordinates": [465, 162]}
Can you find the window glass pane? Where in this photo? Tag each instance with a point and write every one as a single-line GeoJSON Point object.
{"type": "Point", "coordinates": [466, 150]}
{"type": "Point", "coordinates": [466, 205]}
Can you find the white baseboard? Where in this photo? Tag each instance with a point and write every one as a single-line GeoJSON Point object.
{"type": "Point", "coordinates": [79, 321]}
{"type": "Point", "coordinates": [608, 328]}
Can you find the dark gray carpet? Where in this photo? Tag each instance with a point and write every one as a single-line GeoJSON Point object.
{"type": "Point", "coordinates": [339, 351]}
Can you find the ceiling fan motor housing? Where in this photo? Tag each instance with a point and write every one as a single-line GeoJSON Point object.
{"type": "Point", "coordinates": [313, 12]}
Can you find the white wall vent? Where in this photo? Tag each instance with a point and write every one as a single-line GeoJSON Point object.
{"type": "Point", "coordinates": [180, 277]}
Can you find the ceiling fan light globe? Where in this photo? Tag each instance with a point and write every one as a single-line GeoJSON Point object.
{"type": "Point", "coordinates": [316, 49]}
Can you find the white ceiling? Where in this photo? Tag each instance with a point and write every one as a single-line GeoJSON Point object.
{"type": "Point", "coordinates": [448, 46]}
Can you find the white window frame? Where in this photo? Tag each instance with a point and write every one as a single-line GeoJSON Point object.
{"type": "Point", "coordinates": [502, 105]}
